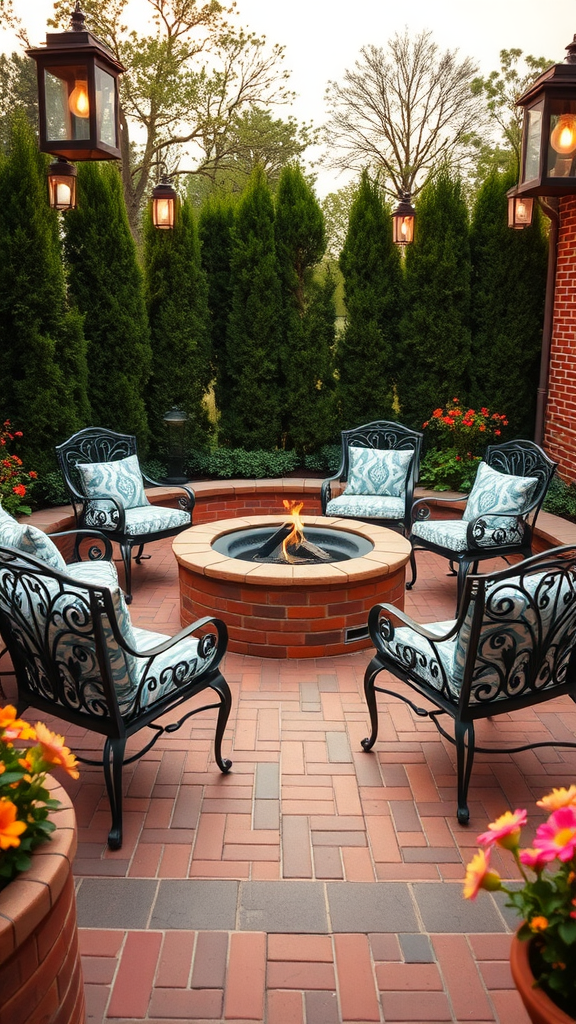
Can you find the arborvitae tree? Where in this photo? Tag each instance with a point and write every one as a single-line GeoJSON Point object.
{"type": "Point", "coordinates": [508, 291]}
{"type": "Point", "coordinates": [177, 300]}
{"type": "Point", "coordinates": [435, 329]}
{"type": "Point", "coordinates": [308, 315]}
{"type": "Point", "coordinates": [366, 351]}
{"type": "Point", "coordinates": [215, 224]}
{"type": "Point", "coordinates": [107, 285]}
{"type": "Point", "coordinates": [42, 348]}
{"type": "Point", "coordinates": [251, 411]}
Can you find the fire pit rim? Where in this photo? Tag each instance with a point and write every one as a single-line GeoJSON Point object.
{"type": "Point", "coordinates": [192, 549]}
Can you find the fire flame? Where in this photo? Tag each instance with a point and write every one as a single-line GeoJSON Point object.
{"type": "Point", "coordinates": [296, 535]}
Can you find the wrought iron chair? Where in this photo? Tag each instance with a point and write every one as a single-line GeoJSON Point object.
{"type": "Point", "coordinates": [77, 656]}
{"type": "Point", "coordinates": [513, 645]}
{"type": "Point", "coordinates": [106, 484]}
{"type": "Point", "coordinates": [500, 514]}
{"type": "Point", "coordinates": [380, 464]}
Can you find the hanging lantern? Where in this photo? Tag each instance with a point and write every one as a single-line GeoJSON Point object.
{"type": "Point", "coordinates": [403, 221]}
{"type": "Point", "coordinates": [77, 94]}
{"type": "Point", "coordinates": [62, 185]}
{"type": "Point", "coordinates": [548, 164]}
{"type": "Point", "coordinates": [520, 209]}
{"type": "Point", "coordinates": [176, 419]}
{"type": "Point", "coordinates": [163, 204]}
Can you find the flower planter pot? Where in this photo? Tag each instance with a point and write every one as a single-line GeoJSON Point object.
{"type": "Point", "coordinates": [40, 968]}
{"type": "Point", "coordinates": [539, 1006]}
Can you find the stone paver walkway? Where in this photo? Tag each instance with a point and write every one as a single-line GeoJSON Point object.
{"type": "Point", "coordinates": [314, 884]}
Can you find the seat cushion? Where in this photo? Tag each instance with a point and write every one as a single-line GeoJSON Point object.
{"type": "Point", "coordinates": [31, 541]}
{"type": "Point", "coordinates": [121, 479]}
{"type": "Point", "coordinates": [102, 572]}
{"type": "Point", "coordinates": [366, 507]}
{"type": "Point", "coordinates": [169, 671]}
{"type": "Point", "coordinates": [415, 653]}
{"type": "Point", "coordinates": [498, 492]}
{"type": "Point", "coordinates": [154, 519]}
{"type": "Point", "coordinates": [446, 533]}
{"type": "Point", "coordinates": [375, 471]}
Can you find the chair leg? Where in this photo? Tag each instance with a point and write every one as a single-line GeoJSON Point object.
{"type": "Point", "coordinates": [139, 555]}
{"type": "Point", "coordinates": [223, 690]}
{"type": "Point", "coordinates": [411, 582]}
{"type": "Point", "coordinates": [464, 736]}
{"type": "Point", "coordinates": [463, 567]}
{"type": "Point", "coordinates": [370, 675]}
{"type": "Point", "coordinates": [126, 550]}
{"type": "Point", "coordinates": [113, 760]}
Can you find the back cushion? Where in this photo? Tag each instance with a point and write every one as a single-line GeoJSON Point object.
{"type": "Point", "coordinates": [498, 492]}
{"type": "Point", "coordinates": [31, 541]}
{"type": "Point", "coordinates": [121, 479]}
{"type": "Point", "coordinates": [527, 632]}
{"type": "Point", "coordinates": [378, 471]}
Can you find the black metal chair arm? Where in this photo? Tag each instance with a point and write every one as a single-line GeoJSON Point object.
{"type": "Point", "coordinates": [218, 640]}
{"type": "Point", "coordinates": [476, 527]}
{"type": "Point", "coordinates": [108, 550]}
{"type": "Point", "coordinates": [421, 507]}
{"type": "Point", "coordinates": [380, 623]}
{"type": "Point", "coordinates": [177, 487]}
{"type": "Point", "coordinates": [120, 524]}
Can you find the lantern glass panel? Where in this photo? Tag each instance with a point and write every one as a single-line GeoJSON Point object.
{"type": "Point", "coordinates": [561, 162]}
{"type": "Point", "coordinates": [105, 107]}
{"type": "Point", "coordinates": [67, 107]}
{"type": "Point", "coordinates": [532, 144]}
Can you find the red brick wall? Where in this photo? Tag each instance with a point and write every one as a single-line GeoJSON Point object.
{"type": "Point", "coordinates": [560, 425]}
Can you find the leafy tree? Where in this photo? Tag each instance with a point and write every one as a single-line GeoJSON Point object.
{"type": "Point", "coordinates": [215, 226]}
{"type": "Point", "coordinates": [501, 89]}
{"type": "Point", "coordinates": [177, 300]}
{"type": "Point", "coordinates": [18, 91]}
{"type": "Point", "coordinates": [42, 347]}
{"type": "Point", "coordinates": [186, 82]}
{"type": "Point", "coordinates": [366, 351]}
{"type": "Point", "coordinates": [336, 208]}
{"type": "Point", "coordinates": [402, 111]}
{"type": "Point", "coordinates": [308, 314]}
{"type": "Point", "coordinates": [107, 287]}
{"type": "Point", "coordinates": [251, 411]}
{"type": "Point", "coordinates": [435, 329]}
{"type": "Point", "coordinates": [508, 290]}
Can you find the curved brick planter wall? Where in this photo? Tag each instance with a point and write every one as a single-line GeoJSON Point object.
{"type": "Point", "coordinates": [40, 969]}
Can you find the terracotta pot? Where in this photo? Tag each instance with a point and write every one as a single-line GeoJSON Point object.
{"type": "Point", "coordinates": [40, 968]}
{"type": "Point", "coordinates": [539, 1006]}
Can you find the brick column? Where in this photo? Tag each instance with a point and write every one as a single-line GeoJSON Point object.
{"type": "Point", "coordinates": [560, 423]}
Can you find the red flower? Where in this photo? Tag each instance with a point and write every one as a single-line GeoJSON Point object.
{"type": "Point", "coordinates": [481, 427]}
{"type": "Point", "coordinates": [34, 476]}
{"type": "Point", "coordinates": [485, 411]}
{"type": "Point", "coordinates": [20, 490]}
{"type": "Point", "coordinates": [497, 433]}
{"type": "Point", "coordinates": [424, 424]}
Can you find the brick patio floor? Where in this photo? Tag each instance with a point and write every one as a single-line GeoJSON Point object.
{"type": "Point", "coordinates": [315, 883]}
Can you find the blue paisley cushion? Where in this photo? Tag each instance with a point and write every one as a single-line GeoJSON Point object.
{"type": "Point", "coordinates": [415, 653]}
{"type": "Point", "coordinates": [138, 521]}
{"type": "Point", "coordinates": [376, 471]}
{"type": "Point", "coordinates": [121, 479]}
{"type": "Point", "coordinates": [101, 572]}
{"type": "Point", "coordinates": [498, 492]}
{"type": "Point", "coordinates": [518, 614]}
{"type": "Point", "coordinates": [366, 507]}
{"type": "Point", "coordinates": [4, 514]}
{"type": "Point", "coordinates": [30, 541]}
{"type": "Point", "coordinates": [168, 671]}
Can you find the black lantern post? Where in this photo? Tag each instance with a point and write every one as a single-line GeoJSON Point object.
{"type": "Point", "coordinates": [175, 419]}
{"type": "Point", "coordinates": [548, 164]}
{"type": "Point", "coordinates": [403, 221]}
{"type": "Point", "coordinates": [163, 204]}
{"type": "Point", "coordinates": [77, 103]}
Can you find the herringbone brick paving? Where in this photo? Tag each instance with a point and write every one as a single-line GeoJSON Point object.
{"type": "Point", "coordinates": [339, 892]}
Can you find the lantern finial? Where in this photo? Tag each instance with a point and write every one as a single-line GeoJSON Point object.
{"type": "Point", "coordinates": [570, 57]}
{"type": "Point", "coordinates": [78, 21]}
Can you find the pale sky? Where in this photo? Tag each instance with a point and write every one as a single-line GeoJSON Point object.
{"type": "Point", "coordinates": [322, 37]}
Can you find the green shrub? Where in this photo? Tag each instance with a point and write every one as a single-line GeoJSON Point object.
{"type": "Point", "coordinates": [446, 470]}
{"type": "Point", "coordinates": [326, 460]}
{"type": "Point", "coordinates": [561, 499]}
{"type": "Point", "coordinates": [224, 463]}
{"type": "Point", "coordinates": [51, 491]}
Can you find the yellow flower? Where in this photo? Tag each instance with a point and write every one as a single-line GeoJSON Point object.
{"type": "Point", "coordinates": [54, 751]}
{"type": "Point", "coordinates": [10, 829]}
{"type": "Point", "coordinates": [558, 798]}
{"type": "Point", "coordinates": [14, 728]}
{"type": "Point", "coordinates": [539, 924]}
{"type": "Point", "coordinates": [478, 876]}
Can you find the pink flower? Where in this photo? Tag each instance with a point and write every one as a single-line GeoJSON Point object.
{"type": "Point", "coordinates": [558, 834]}
{"type": "Point", "coordinates": [535, 859]}
{"type": "Point", "coordinates": [505, 830]}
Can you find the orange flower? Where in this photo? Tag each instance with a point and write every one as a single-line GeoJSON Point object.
{"type": "Point", "coordinates": [14, 728]}
{"type": "Point", "coordinates": [478, 876]}
{"type": "Point", "coordinates": [558, 798]}
{"type": "Point", "coordinates": [10, 829]}
{"type": "Point", "coordinates": [54, 751]}
{"type": "Point", "coordinates": [538, 924]}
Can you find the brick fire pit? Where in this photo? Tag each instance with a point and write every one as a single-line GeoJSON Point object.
{"type": "Point", "coordinates": [290, 611]}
